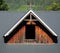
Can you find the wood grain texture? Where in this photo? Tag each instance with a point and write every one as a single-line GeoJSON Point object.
{"type": "Point", "coordinates": [40, 36]}
{"type": "Point", "coordinates": [18, 37]}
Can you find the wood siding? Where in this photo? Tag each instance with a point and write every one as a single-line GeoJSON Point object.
{"type": "Point", "coordinates": [40, 36]}
{"type": "Point", "coordinates": [18, 37]}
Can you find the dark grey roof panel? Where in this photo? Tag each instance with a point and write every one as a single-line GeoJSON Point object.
{"type": "Point", "coordinates": [52, 19]}
{"type": "Point", "coordinates": [8, 19]}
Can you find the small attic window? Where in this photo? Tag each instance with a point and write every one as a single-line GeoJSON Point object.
{"type": "Point", "coordinates": [30, 32]}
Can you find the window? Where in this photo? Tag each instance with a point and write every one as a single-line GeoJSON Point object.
{"type": "Point", "coordinates": [30, 32]}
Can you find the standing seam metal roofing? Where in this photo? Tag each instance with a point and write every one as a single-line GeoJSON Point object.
{"type": "Point", "coordinates": [39, 19]}
{"type": "Point", "coordinates": [8, 19]}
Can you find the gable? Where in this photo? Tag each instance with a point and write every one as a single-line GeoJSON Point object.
{"type": "Point", "coordinates": [35, 18]}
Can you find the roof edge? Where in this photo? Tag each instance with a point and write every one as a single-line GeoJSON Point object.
{"type": "Point", "coordinates": [22, 20]}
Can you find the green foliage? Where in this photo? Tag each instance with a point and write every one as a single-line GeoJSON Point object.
{"type": "Point", "coordinates": [37, 5]}
{"type": "Point", "coordinates": [3, 5]}
{"type": "Point", "coordinates": [23, 8]}
{"type": "Point", "coordinates": [26, 7]}
{"type": "Point", "coordinates": [54, 6]}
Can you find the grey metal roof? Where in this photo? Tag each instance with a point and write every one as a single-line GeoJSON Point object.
{"type": "Point", "coordinates": [9, 19]}
{"type": "Point", "coordinates": [52, 19]}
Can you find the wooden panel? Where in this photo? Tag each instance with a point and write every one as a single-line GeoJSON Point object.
{"type": "Point", "coordinates": [41, 36]}
{"type": "Point", "coordinates": [18, 37]}
{"type": "Point", "coordinates": [31, 22]}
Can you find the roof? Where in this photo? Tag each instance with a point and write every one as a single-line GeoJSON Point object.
{"type": "Point", "coordinates": [9, 19]}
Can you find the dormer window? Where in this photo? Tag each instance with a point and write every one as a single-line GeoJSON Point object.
{"type": "Point", "coordinates": [30, 29]}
